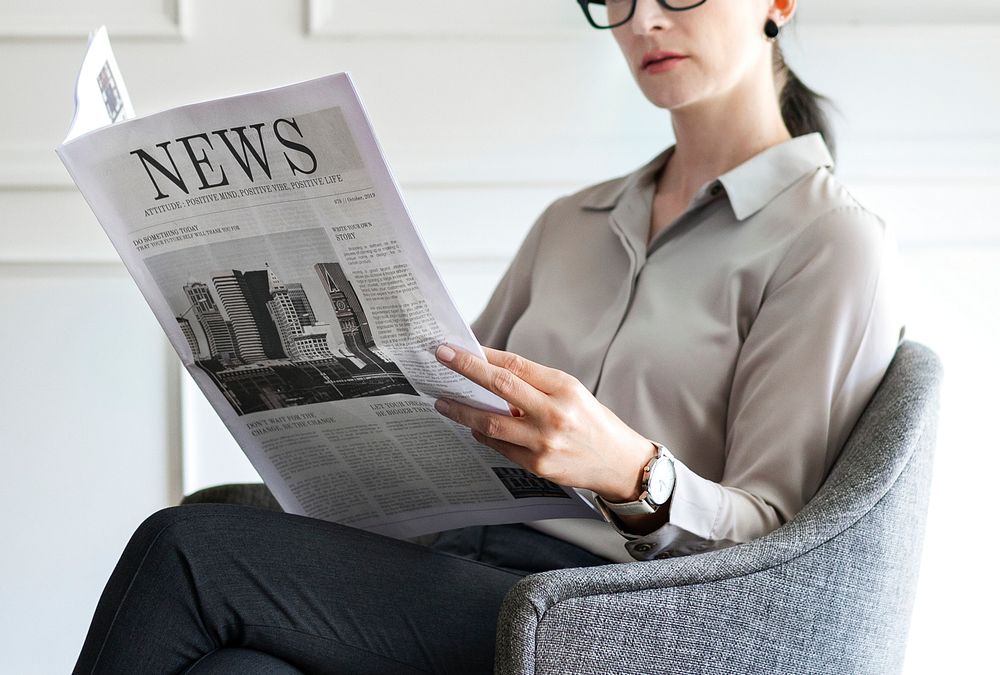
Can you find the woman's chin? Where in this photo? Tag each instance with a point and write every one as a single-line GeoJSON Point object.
{"type": "Point", "coordinates": [669, 100]}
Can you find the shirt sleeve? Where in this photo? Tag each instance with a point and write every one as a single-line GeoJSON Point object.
{"type": "Point", "coordinates": [513, 292]}
{"type": "Point", "coordinates": [813, 356]}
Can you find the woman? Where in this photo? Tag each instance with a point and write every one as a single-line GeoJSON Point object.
{"type": "Point", "coordinates": [729, 301]}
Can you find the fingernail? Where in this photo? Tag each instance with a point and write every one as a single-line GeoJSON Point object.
{"type": "Point", "coordinates": [441, 405]}
{"type": "Point", "coordinates": [445, 353]}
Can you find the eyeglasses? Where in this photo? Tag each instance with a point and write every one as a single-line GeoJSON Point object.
{"type": "Point", "coordinates": [613, 13]}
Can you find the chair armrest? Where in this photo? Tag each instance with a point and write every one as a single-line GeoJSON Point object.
{"type": "Point", "coordinates": [759, 607]}
{"type": "Point", "coordinates": [246, 494]}
{"type": "Point", "coordinates": [609, 605]}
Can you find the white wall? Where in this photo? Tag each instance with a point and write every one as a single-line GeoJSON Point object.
{"type": "Point", "coordinates": [484, 122]}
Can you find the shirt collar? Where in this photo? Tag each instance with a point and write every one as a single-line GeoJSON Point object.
{"type": "Point", "coordinates": [749, 186]}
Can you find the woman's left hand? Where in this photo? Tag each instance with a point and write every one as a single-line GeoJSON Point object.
{"type": "Point", "coordinates": [557, 430]}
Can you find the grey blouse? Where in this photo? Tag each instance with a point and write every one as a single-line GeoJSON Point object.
{"type": "Point", "coordinates": [747, 337]}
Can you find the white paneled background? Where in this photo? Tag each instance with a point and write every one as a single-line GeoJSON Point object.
{"type": "Point", "coordinates": [487, 111]}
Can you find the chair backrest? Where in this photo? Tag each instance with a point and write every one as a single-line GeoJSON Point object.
{"type": "Point", "coordinates": [894, 435]}
{"type": "Point", "coordinates": [843, 571]}
{"type": "Point", "coordinates": [896, 432]}
{"type": "Point", "coordinates": [867, 521]}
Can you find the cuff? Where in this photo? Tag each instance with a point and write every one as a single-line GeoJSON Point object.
{"type": "Point", "coordinates": [696, 505]}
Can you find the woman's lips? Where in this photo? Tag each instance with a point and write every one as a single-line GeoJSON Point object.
{"type": "Point", "coordinates": [663, 64]}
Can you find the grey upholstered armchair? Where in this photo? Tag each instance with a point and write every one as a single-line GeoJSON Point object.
{"type": "Point", "coordinates": [828, 592]}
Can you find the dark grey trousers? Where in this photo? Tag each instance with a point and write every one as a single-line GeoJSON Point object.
{"type": "Point", "coordinates": [223, 588]}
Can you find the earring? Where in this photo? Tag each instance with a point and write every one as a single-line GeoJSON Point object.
{"type": "Point", "coordinates": [771, 30]}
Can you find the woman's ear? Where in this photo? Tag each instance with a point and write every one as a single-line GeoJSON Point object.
{"type": "Point", "coordinates": [784, 7]}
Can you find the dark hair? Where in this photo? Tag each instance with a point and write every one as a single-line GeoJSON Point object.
{"type": "Point", "coordinates": [802, 109]}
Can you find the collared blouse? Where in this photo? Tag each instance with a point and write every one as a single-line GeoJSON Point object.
{"type": "Point", "coordinates": [747, 336]}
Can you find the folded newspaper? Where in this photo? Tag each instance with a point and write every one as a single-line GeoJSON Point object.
{"type": "Point", "coordinates": [272, 243]}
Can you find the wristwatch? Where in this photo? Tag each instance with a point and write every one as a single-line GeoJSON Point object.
{"type": "Point", "coordinates": [658, 478]}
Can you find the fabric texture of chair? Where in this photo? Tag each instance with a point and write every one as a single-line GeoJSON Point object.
{"type": "Point", "coordinates": [831, 591]}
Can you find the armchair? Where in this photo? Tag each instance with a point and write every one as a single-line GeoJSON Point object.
{"type": "Point", "coordinates": [831, 591]}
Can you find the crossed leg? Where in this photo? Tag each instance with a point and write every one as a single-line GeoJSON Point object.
{"type": "Point", "coordinates": [318, 596]}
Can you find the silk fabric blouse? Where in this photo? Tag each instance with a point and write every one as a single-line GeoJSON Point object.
{"type": "Point", "coordinates": [747, 337]}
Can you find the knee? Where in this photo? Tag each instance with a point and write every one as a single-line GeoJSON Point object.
{"type": "Point", "coordinates": [175, 524]}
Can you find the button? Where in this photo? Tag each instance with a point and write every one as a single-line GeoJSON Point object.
{"type": "Point", "coordinates": [716, 189]}
{"type": "Point", "coordinates": [642, 548]}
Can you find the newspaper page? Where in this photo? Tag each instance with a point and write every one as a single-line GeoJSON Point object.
{"type": "Point", "coordinates": [269, 237]}
{"type": "Point", "coordinates": [100, 96]}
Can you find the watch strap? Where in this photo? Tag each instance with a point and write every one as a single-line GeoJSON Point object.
{"type": "Point", "coordinates": [636, 508]}
{"type": "Point", "coordinates": [641, 506]}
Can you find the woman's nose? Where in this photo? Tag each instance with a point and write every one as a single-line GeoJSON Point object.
{"type": "Point", "coordinates": [650, 15]}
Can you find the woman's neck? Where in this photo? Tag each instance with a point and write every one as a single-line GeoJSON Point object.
{"type": "Point", "coordinates": [714, 136]}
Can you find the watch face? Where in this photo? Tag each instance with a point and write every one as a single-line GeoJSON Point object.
{"type": "Point", "coordinates": [661, 481]}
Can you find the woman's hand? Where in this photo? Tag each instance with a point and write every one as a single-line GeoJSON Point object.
{"type": "Point", "coordinates": [557, 430]}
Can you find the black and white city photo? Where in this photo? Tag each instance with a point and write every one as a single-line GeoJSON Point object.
{"type": "Point", "coordinates": [275, 322]}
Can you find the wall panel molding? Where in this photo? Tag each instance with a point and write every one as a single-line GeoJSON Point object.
{"type": "Point", "coordinates": [527, 19]}
{"type": "Point", "coordinates": [52, 268]}
{"type": "Point", "coordinates": [934, 192]}
{"type": "Point", "coordinates": [898, 12]}
{"type": "Point", "coordinates": [563, 161]}
{"type": "Point", "coordinates": [32, 168]}
{"type": "Point", "coordinates": [126, 20]}
{"type": "Point", "coordinates": [437, 18]}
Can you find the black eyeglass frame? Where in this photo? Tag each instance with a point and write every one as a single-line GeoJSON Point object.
{"type": "Point", "coordinates": [663, 3]}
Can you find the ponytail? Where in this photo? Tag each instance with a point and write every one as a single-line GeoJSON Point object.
{"type": "Point", "coordinates": [801, 107]}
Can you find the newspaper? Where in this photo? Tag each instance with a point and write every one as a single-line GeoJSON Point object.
{"type": "Point", "coordinates": [269, 237]}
